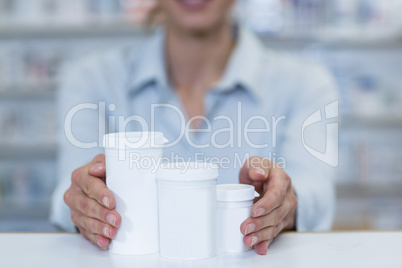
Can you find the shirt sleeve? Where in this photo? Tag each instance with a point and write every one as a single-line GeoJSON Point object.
{"type": "Point", "coordinates": [79, 114]}
{"type": "Point", "coordinates": [309, 147]}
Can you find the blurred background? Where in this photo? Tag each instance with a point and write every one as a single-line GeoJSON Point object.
{"type": "Point", "coordinates": [360, 41]}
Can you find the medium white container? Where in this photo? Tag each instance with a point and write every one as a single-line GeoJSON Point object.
{"type": "Point", "coordinates": [187, 210]}
{"type": "Point", "coordinates": [234, 207]}
{"type": "Point", "coordinates": [131, 165]}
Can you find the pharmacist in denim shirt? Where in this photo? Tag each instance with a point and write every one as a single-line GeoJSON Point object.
{"type": "Point", "coordinates": [255, 103]}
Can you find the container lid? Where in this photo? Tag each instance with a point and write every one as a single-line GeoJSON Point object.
{"type": "Point", "coordinates": [134, 140]}
{"type": "Point", "coordinates": [187, 171]}
{"type": "Point", "coordinates": [235, 192]}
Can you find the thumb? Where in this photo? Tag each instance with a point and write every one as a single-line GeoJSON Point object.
{"type": "Point", "coordinates": [255, 169]}
{"type": "Point", "coordinates": [97, 167]}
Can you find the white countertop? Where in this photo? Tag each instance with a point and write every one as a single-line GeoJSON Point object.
{"type": "Point", "coordinates": [349, 249]}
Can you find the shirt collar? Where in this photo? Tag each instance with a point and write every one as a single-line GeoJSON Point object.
{"type": "Point", "coordinates": [245, 66]}
{"type": "Point", "coordinates": [148, 65]}
{"type": "Point", "coordinates": [243, 69]}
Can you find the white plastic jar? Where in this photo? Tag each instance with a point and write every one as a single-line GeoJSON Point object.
{"type": "Point", "coordinates": [234, 207]}
{"type": "Point", "coordinates": [131, 165]}
{"type": "Point", "coordinates": [187, 210]}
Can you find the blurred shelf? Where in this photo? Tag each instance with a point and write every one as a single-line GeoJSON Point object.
{"type": "Point", "coordinates": [378, 121]}
{"type": "Point", "coordinates": [27, 92]}
{"type": "Point", "coordinates": [33, 218]}
{"type": "Point", "coordinates": [87, 31]}
{"type": "Point", "coordinates": [369, 206]}
{"type": "Point", "coordinates": [327, 37]}
{"type": "Point", "coordinates": [27, 225]}
{"type": "Point", "coordinates": [22, 151]}
{"type": "Point", "coordinates": [12, 211]}
{"type": "Point", "coordinates": [389, 190]}
{"type": "Point", "coordinates": [356, 38]}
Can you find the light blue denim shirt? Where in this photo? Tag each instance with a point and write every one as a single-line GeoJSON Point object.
{"type": "Point", "coordinates": [259, 108]}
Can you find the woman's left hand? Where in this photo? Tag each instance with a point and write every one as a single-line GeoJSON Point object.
{"type": "Point", "coordinates": [276, 208]}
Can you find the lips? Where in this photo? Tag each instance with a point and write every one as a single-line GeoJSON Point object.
{"type": "Point", "coordinates": [193, 4]}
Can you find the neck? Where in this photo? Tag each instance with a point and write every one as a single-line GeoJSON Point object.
{"type": "Point", "coordinates": [195, 62]}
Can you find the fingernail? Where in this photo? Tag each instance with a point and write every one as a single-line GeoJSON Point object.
{"type": "Point", "coordinates": [259, 171]}
{"type": "Point", "coordinates": [259, 212]}
{"type": "Point", "coordinates": [250, 228]}
{"type": "Point", "coordinates": [105, 231]}
{"type": "Point", "coordinates": [111, 219]}
{"type": "Point", "coordinates": [97, 167]}
{"type": "Point", "coordinates": [254, 240]}
{"type": "Point", "coordinates": [99, 244]}
{"type": "Point", "coordinates": [105, 201]}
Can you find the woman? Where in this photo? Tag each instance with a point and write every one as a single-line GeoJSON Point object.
{"type": "Point", "coordinates": [235, 100]}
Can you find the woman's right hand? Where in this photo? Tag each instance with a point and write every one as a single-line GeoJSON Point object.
{"type": "Point", "coordinates": [92, 203]}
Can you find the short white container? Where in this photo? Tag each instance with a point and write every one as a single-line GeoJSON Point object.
{"type": "Point", "coordinates": [187, 210]}
{"type": "Point", "coordinates": [234, 207]}
{"type": "Point", "coordinates": [131, 165]}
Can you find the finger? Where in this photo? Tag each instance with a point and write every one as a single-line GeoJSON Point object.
{"type": "Point", "coordinates": [262, 235]}
{"type": "Point", "coordinates": [95, 188]}
{"type": "Point", "coordinates": [91, 208]}
{"type": "Point", "coordinates": [99, 240]}
{"type": "Point", "coordinates": [284, 213]}
{"type": "Point", "coordinates": [97, 167]}
{"type": "Point", "coordinates": [290, 219]}
{"type": "Point", "coordinates": [275, 195]}
{"type": "Point", "coordinates": [96, 226]}
{"type": "Point", "coordinates": [252, 224]}
{"type": "Point", "coordinates": [262, 248]}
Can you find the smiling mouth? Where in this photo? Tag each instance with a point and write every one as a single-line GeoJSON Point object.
{"type": "Point", "coordinates": [193, 4]}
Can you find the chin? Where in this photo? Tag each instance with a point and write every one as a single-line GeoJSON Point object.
{"type": "Point", "coordinates": [199, 26]}
{"type": "Point", "coordinates": [197, 16]}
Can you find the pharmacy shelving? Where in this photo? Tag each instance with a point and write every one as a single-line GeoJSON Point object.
{"type": "Point", "coordinates": [377, 190]}
{"type": "Point", "coordinates": [28, 92]}
{"type": "Point", "coordinates": [32, 218]}
{"type": "Point", "coordinates": [38, 210]}
{"type": "Point", "coordinates": [63, 32]}
{"type": "Point", "coordinates": [330, 39]}
{"type": "Point", "coordinates": [22, 150]}
{"type": "Point", "coordinates": [386, 121]}
{"type": "Point", "coordinates": [352, 196]}
{"type": "Point", "coordinates": [326, 37]}
{"type": "Point", "coordinates": [366, 207]}
{"type": "Point", "coordinates": [366, 213]}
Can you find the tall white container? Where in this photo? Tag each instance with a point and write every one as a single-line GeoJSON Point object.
{"type": "Point", "coordinates": [234, 207]}
{"type": "Point", "coordinates": [187, 210]}
{"type": "Point", "coordinates": [131, 165]}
